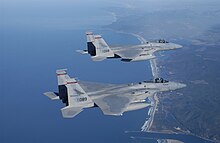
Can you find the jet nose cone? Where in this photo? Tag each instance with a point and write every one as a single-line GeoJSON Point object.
{"type": "Point", "coordinates": [181, 85]}
{"type": "Point", "coordinates": [177, 46]}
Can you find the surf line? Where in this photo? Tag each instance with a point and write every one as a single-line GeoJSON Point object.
{"type": "Point", "coordinates": [154, 99]}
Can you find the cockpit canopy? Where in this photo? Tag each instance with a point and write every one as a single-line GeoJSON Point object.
{"type": "Point", "coordinates": [156, 80]}
{"type": "Point", "coordinates": [160, 80]}
{"type": "Point", "coordinates": [162, 41]}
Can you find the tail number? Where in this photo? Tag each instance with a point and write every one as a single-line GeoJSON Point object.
{"type": "Point", "coordinates": [82, 99]}
{"type": "Point", "coordinates": [105, 50]}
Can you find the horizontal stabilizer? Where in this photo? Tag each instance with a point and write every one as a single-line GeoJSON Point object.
{"type": "Point", "coordinates": [82, 51]}
{"type": "Point", "coordinates": [70, 112]}
{"type": "Point", "coordinates": [52, 95]}
{"type": "Point", "coordinates": [98, 58]}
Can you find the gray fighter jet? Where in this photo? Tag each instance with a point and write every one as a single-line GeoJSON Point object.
{"type": "Point", "coordinates": [112, 99]}
{"type": "Point", "coordinates": [99, 49]}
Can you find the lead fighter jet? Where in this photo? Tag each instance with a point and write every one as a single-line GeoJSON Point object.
{"type": "Point", "coordinates": [100, 50]}
{"type": "Point", "coordinates": [112, 99]}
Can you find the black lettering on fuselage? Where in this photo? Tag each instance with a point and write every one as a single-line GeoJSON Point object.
{"type": "Point", "coordinates": [82, 99]}
{"type": "Point", "coordinates": [105, 50]}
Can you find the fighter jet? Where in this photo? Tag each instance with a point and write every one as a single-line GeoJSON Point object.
{"type": "Point", "coordinates": [100, 50]}
{"type": "Point", "coordinates": [112, 99]}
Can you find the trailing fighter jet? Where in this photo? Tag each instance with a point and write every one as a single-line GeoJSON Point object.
{"type": "Point", "coordinates": [100, 50]}
{"type": "Point", "coordinates": [112, 99]}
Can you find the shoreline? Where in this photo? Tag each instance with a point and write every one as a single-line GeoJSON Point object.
{"type": "Point", "coordinates": [155, 101]}
{"type": "Point", "coordinates": [147, 135]}
{"type": "Point", "coordinates": [146, 127]}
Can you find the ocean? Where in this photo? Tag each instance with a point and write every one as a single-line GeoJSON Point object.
{"type": "Point", "coordinates": [34, 46]}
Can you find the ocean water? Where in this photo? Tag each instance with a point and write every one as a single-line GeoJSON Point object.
{"type": "Point", "coordinates": [34, 44]}
{"type": "Point", "coordinates": [30, 60]}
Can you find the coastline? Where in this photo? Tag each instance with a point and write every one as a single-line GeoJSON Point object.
{"type": "Point", "coordinates": [166, 136]}
{"type": "Point", "coordinates": [155, 101]}
{"type": "Point", "coordinates": [146, 127]}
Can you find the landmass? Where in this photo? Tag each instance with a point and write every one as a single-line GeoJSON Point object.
{"type": "Point", "coordinates": [193, 110]}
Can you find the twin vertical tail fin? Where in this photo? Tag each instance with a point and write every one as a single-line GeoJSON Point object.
{"type": "Point", "coordinates": [77, 99]}
{"type": "Point", "coordinates": [90, 44]}
{"type": "Point", "coordinates": [62, 77]}
{"type": "Point", "coordinates": [71, 93]}
{"type": "Point", "coordinates": [62, 90]}
{"type": "Point", "coordinates": [97, 47]}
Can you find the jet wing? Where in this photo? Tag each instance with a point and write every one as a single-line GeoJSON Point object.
{"type": "Point", "coordinates": [114, 104]}
{"type": "Point", "coordinates": [110, 98]}
{"type": "Point", "coordinates": [136, 54]}
{"type": "Point", "coordinates": [94, 86]}
{"type": "Point", "coordinates": [111, 102]}
{"type": "Point", "coordinates": [129, 53]}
